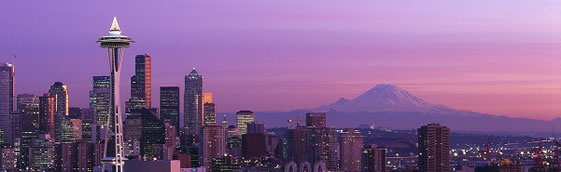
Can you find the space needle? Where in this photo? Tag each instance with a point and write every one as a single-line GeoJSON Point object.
{"type": "Point", "coordinates": [115, 43]}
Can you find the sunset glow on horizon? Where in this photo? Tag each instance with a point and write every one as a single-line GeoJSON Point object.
{"type": "Point", "coordinates": [284, 55]}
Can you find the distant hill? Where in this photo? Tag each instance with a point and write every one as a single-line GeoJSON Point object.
{"type": "Point", "coordinates": [389, 106]}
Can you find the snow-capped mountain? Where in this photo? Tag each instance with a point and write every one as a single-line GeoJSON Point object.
{"type": "Point", "coordinates": [389, 106]}
{"type": "Point", "coordinates": [385, 98]}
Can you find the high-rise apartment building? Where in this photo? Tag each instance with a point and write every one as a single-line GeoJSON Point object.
{"type": "Point", "coordinates": [243, 118]}
{"type": "Point", "coordinates": [7, 101]}
{"type": "Point", "coordinates": [434, 148]}
{"type": "Point", "coordinates": [193, 105]}
{"type": "Point", "coordinates": [169, 105]}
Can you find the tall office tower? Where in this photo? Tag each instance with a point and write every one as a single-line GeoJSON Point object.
{"type": "Point", "coordinates": [434, 148]}
{"type": "Point", "coordinates": [153, 134]}
{"type": "Point", "coordinates": [24, 99]}
{"type": "Point", "coordinates": [29, 131]}
{"type": "Point", "coordinates": [242, 119]}
{"type": "Point", "coordinates": [209, 113]}
{"type": "Point", "coordinates": [42, 153]}
{"type": "Point", "coordinates": [212, 143]}
{"type": "Point", "coordinates": [169, 105]}
{"type": "Point", "coordinates": [100, 99]}
{"type": "Point", "coordinates": [351, 150]}
{"type": "Point", "coordinates": [254, 127]}
{"type": "Point", "coordinates": [115, 43]}
{"type": "Point", "coordinates": [47, 115]}
{"type": "Point", "coordinates": [7, 101]}
{"type": "Point", "coordinates": [193, 105]}
{"type": "Point", "coordinates": [59, 92]}
{"type": "Point", "coordinates": [141, 84]}
{"type": "Point", "coordinates": [313, 144]}
{"type": "Point", "coordinates": [315, 119]}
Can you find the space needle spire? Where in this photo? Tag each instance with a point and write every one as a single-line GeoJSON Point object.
{"type": "Point", "coordinates": [113, 156]}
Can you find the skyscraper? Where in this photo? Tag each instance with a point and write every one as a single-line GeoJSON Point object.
{"type": "Point", "coordinates": [100, 98]}
{"type": "Point", "coordinates": [169, 105]}
{"type": "Point", "coordinates": [47, 115]}
{"type": "Point", "coordinates": [209, 115]}
{"type": "Point", "coordinates": [142, 88]}
{"type": "Point", "coordinates": [244, 117]}
{"type": "Point", "coordinates": [313, 144]}
{"type": "Point", "coordinates": [351, 150]}
{"type": "Point", "coordinates": [115, 43]}
{"type": "Point", "coordinates": [374, 158]}
{"type": "Point", "coordinates": [212, 143]}
{"type": "Point", "coordinates": [141, 84]}
{"type": "Point", "coordinates": [153, 134]}
{"type": "Point", "coordinates": [434, 148]}
{"type": "Point", "coordinates": [193, 104]}
{"type": "Point", "coordinates": [59, 92]}
{"type": "Point", "coordinates": [29, 130]}
{"type": "Point", "coordinates": [7, 101]}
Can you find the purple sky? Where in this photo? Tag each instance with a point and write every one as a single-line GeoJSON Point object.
{"type": "Point", "coordinates": [499, 56]}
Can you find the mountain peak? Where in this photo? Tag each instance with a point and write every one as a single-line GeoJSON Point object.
{"type": "Point", "coordinates": [384, 98]}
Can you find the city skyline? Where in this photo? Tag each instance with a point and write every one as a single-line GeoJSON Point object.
{"type": "Point", "coordinates": [288, 73]}
{"type": "Point", "coordinates": [497, 65]}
